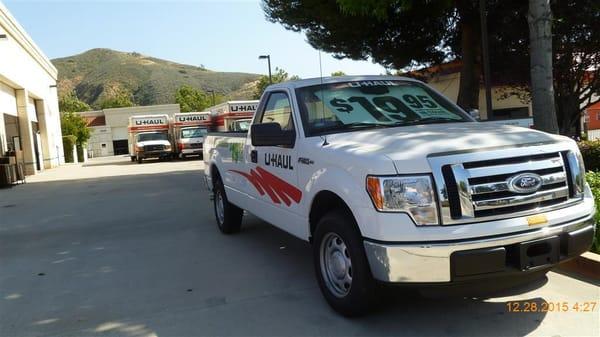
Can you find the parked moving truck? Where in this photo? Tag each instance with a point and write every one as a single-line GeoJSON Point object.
{"type": "Point", "coordinates": [227, 114]}
{"type": "Point", "coordinates": [393, 183]}
{"type": "Point", "coordinates": [188, 130]}
{"type": "Point", "coordinates": [149, 137]}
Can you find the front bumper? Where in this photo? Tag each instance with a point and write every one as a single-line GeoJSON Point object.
{"type": "Point", "coordinates": [154, 154]}
{"type": "Point", "coordinates": [458, 260]}
{"type": "Point", "coordinates": [189, 152]}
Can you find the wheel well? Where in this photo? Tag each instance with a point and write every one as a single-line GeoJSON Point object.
{"type": "Point", "coordinates": [324, 202]}
{"type": "Point", "coordinates": [214, 172]}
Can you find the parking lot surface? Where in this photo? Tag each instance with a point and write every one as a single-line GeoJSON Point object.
{"type": "Point", "coordinates": [113, 248]}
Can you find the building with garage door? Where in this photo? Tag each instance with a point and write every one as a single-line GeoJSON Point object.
{"type": "Point", "coordinates": [29, 117]}
{"type": "Point", "coordinates": [109, 127]}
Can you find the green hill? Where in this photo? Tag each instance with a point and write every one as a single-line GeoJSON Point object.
{"type": "Point", "coordinates": [98, 74]}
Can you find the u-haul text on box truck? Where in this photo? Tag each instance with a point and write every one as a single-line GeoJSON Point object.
{"type": "Point", "coordinates": [149, 137]}
{"type": "Point", "coordinates": [233, 115]}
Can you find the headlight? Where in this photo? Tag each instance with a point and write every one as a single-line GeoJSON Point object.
{"type": "Point", "coordinates": [577, 170]}
{"type": "Point", "coordinates": [410, 194]}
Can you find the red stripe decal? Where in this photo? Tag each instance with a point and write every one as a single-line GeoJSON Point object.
{"type": "Point", "coordinates": [278, 189]}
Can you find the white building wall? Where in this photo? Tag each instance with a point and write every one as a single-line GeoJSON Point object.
{"type": "Point", "coordinates": [449, 86]}
{"type": "Point", "coordinates": [25, 69]}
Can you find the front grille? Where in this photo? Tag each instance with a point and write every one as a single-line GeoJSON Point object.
{"type": "Point", "coordinates": [154, 147]}
{"type": "Point", "coordinates": [195, 145]}
{"type": "Point", "coordinates": [475, 189]}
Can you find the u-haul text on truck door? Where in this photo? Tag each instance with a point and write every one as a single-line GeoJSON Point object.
{"type": "Point", "coordinates": [188, 130]}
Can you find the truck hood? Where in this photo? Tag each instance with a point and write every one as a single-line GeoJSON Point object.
{"type": "Point", "coordinates": [409, 146]}
{"type": "Point", "coordinates": [154, 142]}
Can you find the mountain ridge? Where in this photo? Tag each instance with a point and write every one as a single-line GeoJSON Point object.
{"type": "Point", "coordinates": [101, 73]}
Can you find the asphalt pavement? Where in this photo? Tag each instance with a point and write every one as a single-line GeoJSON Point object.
{"type": "Point", "coordinates": [113, 248]}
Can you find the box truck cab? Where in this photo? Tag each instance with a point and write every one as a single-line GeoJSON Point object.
{"type": "Point", "coordinates": [149, 137]}
{"type": "Point", "coordinates": [227, 114]}
{"type": "Point", "coordinates": [188, 130]}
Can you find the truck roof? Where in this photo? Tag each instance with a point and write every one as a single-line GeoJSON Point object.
{"type": "Point", "coordinates": [336, 79]}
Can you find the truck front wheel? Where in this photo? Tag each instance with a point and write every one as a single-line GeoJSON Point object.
{"type": "Point", "coordinates": [341, 265]}
{"type": "Point", "coordinates": [229, 216]}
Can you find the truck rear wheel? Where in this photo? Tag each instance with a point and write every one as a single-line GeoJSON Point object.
{"type": "Point", "coordinates": [139, 159]}
{"type": "Point", "coordinates": [229, 216]}
{"type": "Point", "coordinates": [341, 265]}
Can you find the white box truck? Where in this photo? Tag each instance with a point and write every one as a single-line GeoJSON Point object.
{"type": "Point", "coordinates": [149, 137]}
{"type": "Point", "coordinates": [230, 115]}
{"type": "Point", "coordinates": [188, 130]}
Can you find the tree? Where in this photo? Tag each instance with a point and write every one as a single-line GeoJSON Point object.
{"type": "Point", "coordinates": [74, 125]}
{"type": "Point", "coordinates": [338, 73]}
{"type": "Point", "coordinates": [279, 76]}
{"type": "Point", "coordinates": [394, 33]}
{"type": "Point", "coordinates": [575, 55]}
{"type": "Point", "coordinates": [540, 46]}
{"type": "Point", "coordinates": [121, 100]}
{"type": "Point", "coordinates": [191, 99]}
{"type": "Point", "coordinates": [70, 103]}
{"type": "Point", "coordinates": [576, 60]}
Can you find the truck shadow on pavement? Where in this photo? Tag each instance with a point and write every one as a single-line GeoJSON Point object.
{"type": "Point", "coordinates": [141, 255]}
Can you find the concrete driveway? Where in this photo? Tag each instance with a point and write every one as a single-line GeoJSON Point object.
{"type": "Point", "coordinates": [114, 248]}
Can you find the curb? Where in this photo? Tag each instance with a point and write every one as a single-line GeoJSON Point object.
{"type": "Point", "coordinates": [587, 265]}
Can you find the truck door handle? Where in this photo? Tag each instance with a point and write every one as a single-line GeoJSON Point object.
{"type": "Point", "coordinates": [254, 156]}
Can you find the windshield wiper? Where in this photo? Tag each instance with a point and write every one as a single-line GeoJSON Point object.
{"type": "Point", "coordinates": [430, 120]}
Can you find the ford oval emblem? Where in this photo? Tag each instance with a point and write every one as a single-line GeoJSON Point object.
{"type": "Point", "coordinates": [525, 183]}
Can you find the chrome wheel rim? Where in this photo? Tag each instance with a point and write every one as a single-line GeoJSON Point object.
{"type": "Point", "coordinates": [219, 207]}
{"type": "Point", "coordinates": [336, 265]}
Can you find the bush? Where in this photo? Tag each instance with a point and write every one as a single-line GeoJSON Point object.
{"type": "Point", "coordinates": [590, 150]}
{"type": "Point", "coordinates": [68, 143]}
{"type": "Point", "coordinates": [593, 178]}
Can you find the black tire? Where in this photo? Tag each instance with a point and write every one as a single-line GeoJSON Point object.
{"type": "Point", "coordinates": [139, 159]}
{"type": "Point", "coordinates": [132, 159]}
{"type": "Point", "coordinates": [231, 220]}
{"type": "Point", "coordinates": [360, 294]}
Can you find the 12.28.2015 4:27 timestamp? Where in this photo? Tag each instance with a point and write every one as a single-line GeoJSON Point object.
{"type": "Point", "coordinates": [558, 306]}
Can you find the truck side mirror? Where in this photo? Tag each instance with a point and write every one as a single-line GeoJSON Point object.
{"type": "Point", "coordinates": [271, 134]}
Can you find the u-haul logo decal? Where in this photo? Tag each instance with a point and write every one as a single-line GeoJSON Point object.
{"type": "Point", "coordinates": [192, 118]}
{"type": "Point", "coordinates": [157, 121]}
{"type": "Point", "coordinates": [276, 188]}
{"type": "Point", "coordinates": [243, 107]}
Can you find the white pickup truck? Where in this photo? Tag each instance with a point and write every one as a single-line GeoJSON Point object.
{"type": "Point", "coordinates": [393, 183]}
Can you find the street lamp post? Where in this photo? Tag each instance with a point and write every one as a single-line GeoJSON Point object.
{"type": "Point", "coordinates": [213, 96]}
{"type": "Point", "coordinates": [268, 57]}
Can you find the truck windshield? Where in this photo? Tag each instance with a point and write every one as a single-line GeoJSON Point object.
{"type": "Point", "coordinates": [193, 133]}
{"type": "Point", "coordinates": [347, 106]}
{"type": "Point", "coordinates": [144, 137]}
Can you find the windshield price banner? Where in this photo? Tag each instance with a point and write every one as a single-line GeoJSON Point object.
{"type": "Point", "coordinates": [398, 103]}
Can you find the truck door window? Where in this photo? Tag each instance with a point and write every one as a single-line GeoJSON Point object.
{"type": "Point", "coordinates": [278, 110]}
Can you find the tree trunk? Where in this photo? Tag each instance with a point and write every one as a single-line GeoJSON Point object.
{"type": "Point", "coordinates": [468, 92]}
{"type": "Point", "coordinates": [540, 45]}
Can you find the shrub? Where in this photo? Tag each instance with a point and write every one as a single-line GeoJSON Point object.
{"type": "Point", "coordinates": [593, 178]}
{"type": "Point", "coordinates": [68, 143]}
{"type": "Point", "coordinates": [590, 150]}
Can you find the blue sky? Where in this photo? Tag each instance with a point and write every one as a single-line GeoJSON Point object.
{"type": "Point", "coordinates": [221, 35]}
